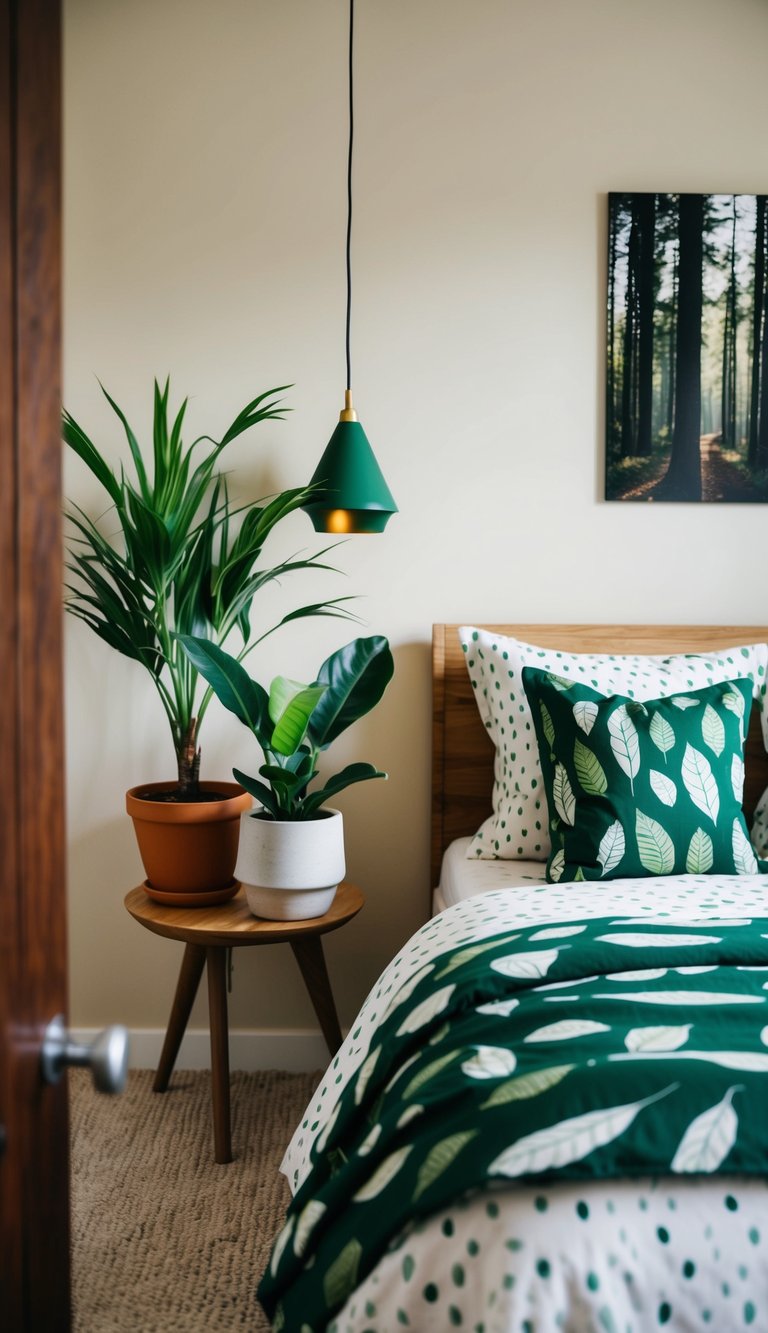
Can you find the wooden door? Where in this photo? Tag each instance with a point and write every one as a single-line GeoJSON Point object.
{"type": "Point", "coordinates": [34, 1164]}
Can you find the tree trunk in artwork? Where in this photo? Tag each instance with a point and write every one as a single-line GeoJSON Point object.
{"type": "Point", "coordinates": [628, 369]}
{"type": "Point", "coordinates": [683, 477]}
{"type": "Point", "coordinates": [671, 352]}
{"type": "Point", "coordinates": [734, 333]}
{"type": "Point", "coordinates": [724, 382]}
{"type": "Point", "coordinates": [646, 212]}
{"type": "Point", "coordinates": [730, 333]}
{"type": "Point", "coordinates": [761, 461]}
{"type": "Point", "coordinates": [757, 327]}
{"type": "Point", "coordinates": [610, 394]}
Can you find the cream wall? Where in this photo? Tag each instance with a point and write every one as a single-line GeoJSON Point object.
{"type": "Point", "coordinates": [204, 217]}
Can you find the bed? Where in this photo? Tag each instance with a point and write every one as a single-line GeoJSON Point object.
{"type": "Point", "coordinates": [469, 1229]}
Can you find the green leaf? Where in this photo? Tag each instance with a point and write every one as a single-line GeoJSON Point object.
{"type": "Point", "coordinates": [383, 1175]}
{"type": "Point", "coordinates": [662, 734]}
{"type": "Point", "coordinates": [625, 742]}
{"type": "Point", "coordinates": [654, 845]}
{"type": "Point", "coordinates": [262, 793]}
{"type": "Point", "coordinates": [78, 441]}
{"type": "Point", "coordinates": [589, 770]}
{"type": "Point", "coordinates": [570, 1140]}
{"type": "Point", "coordinates": [333, 607]}
{"type": "Point", "coordinates": [700, 782]}
{"type": "Point", "coordinates": [613, 845]}
{"type": "Point", "coordinates": [290, 708]}
{"type": "Point", "coordinates": [284, 782]}
{"type": "Point", "coordinates": [567, 1029]}
{"type": "Point", "coordinates": [526, 1085]}
{"type": "Point", "coordinates": [440, 1158]}
{"type": "Point", "coordinates": [356, 676]}
{"type": "Point", "coordinates": [308, 1220]}
{"type": "Point", "coordinates": [341, 1278]}
{"type": "Point", "coordinates": [737, 778]}
{"type": "Point", "coordinates": [489, 1062]}
{"type": "Point", "coordinates": [253, 412]}
{"type": "Point", "coordinates": [152, 537]}
{"type": "Point", "coordinates": [429, 1072]}
{"type": "Point", "coordinates": [560, 682]}
{"type": "Point", "coordinates": [708, 1139]}
{"type": "Point", "coordinates": [346, 778]}
{"type": "Point", "coordinates": [701, 854]}
{"type": "Point", "coordinates": [547, 724]}
{"type": "Point", "coordinates": [663, 787]}
{"type": "Point", "coordinates": [586, 712]}
{"type": "Point", "coordinates": [744, 857]}
{"type": "Point", "coordinates": [365, 1073]}
{"type": "Point", "coordinates": [160, 438]}
{"type": "Point", "coordinates": [463, 956]}
{"type": "Point", "coordinates": [133, 445]}
{"type": "Point", "coordinates": [231, 684]}
{"type": "Point", "coordinates": [658, 1038]}
{"type": "Point", "coordinates": [557, 866]}
{"type": "Point", "coordinates": [733, 700]}
{"type": "Point", "coordinates": [713, 730]}
{"type": "Point", "coordinates": [562, 794]}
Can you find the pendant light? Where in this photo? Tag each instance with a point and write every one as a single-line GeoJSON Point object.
{"type": "Point", "coordinates": [353, 495]}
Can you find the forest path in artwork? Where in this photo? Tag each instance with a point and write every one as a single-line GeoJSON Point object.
{"type": "Point", "coordinates": [687, 348]}
{"type": "Point", "coordinates": [720, 479]}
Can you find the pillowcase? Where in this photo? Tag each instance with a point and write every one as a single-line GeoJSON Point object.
{"type": "Point", "coordinates": [760, 826]}
{"type": "Point", "coordinates": [652, 788]}
{"type": "Point", "coordinates": [517, 829]}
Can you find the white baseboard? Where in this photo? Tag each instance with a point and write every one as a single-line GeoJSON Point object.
{"type": "Point", "coordinates": [297, 1050]}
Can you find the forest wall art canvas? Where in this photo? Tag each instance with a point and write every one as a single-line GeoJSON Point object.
{"type": "Point", "coordinates": [687, 348]}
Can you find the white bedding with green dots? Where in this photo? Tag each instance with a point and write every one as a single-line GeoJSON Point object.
{"type": "Point", "coordinates": [597, 1162]}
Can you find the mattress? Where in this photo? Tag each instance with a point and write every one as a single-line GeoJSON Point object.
{"type": "Point", "coordinates": [461, 878]}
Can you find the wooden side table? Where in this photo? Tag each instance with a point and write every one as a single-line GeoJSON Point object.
{"type": "Point", "coordinates": [207, 933]}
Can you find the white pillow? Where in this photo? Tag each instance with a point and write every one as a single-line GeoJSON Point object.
{"type": "Point", "coordinates": [517, 829]}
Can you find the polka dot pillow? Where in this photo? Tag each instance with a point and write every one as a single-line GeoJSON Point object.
{"type": "Point", "coordinates": [517, 829]}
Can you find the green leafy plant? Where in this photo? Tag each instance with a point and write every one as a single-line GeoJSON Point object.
{"type": "Point", "coordinates": [293, 723]}
{"type": "Point", "coordinates": [182, 561]}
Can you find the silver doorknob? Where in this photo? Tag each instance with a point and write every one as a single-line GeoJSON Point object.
{"type": "Point", "coordinates": [107, 1057]}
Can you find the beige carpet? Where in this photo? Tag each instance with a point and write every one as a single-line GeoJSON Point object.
{"type": "Point", "coordinates": [163, 1238]}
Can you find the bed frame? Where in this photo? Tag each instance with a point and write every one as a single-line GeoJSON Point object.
{"type": "Point", "coordinates": [462, 752]}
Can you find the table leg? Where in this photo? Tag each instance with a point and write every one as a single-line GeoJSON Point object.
{"type": "Point", "coordinates": [192, 966]}
{"type": "Point", "coordinates": [217, 1007]}
{"type": "Point", "coordinates": [311, 960]}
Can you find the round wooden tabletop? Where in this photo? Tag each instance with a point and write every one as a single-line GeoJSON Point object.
{"type": "Point", "coordinates": [233, 923]}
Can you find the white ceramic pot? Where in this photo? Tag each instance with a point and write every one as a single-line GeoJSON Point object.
{"type": "Point", "coordinates": [290, 870]}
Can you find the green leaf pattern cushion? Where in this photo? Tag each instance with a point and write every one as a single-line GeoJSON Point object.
{"type": "Point", "coordinates": [635, 788]}
{"type": "Point", "coordinates": [760, 827]}
{"type": "Point", "coordinates": [517, 828]}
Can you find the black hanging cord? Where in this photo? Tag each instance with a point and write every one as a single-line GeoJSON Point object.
{"type": "Point", "coordinates": [349, 192]}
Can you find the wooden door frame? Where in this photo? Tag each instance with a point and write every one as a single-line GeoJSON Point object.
{"type": "Point", "coordinates": [34, 1167]}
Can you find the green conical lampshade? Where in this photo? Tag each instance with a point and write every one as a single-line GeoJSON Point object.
{"type": "Point", "coordinates": [353, 495]}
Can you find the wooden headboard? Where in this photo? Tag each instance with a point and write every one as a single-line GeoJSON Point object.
{"type": "Point", "coordinates": [462, 752]}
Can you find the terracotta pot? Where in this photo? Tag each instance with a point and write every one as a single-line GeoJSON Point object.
{"type": "Point", "coordinates": [290, 870]}
{"type": "Point", "coordinates": [189, 849]}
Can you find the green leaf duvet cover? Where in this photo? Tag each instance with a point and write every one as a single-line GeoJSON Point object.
{"type": "Point", "coordinates": [552, 1112]}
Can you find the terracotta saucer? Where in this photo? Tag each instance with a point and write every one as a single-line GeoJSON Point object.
{"type": "Point", "coordinates": [204, 898]}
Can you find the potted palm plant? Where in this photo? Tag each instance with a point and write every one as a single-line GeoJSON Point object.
{"type": "Point", "coordinates": [176, 557]}
{"type": "Point", "coordinates": [291, 856]}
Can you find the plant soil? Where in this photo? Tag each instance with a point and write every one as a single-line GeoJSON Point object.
{"type": "Point", "coordinates": [177, 796]}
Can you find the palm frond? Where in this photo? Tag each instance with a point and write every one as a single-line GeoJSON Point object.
{"type": "Point", "coordinates": [180, 558]}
